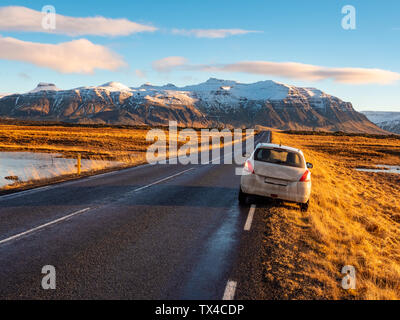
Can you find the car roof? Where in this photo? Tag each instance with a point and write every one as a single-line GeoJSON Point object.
{"type": "Point", "coordinates": [272, 145]}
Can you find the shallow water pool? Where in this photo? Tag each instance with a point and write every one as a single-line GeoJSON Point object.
{"type": "Point", "coordinates": [30, 165]}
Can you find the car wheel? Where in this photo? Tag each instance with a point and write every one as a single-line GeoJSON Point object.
{"type": "Point", "coordinates": [304, 206]}
{"type": "Point", "coordinates": [242, 197]}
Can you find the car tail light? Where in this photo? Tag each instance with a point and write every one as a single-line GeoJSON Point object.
{"type": "Point", "coordinates": [248, 167]}
{"type": "Point", "coordinates": [306, 176]}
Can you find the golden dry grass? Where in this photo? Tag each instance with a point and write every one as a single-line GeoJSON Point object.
{"type": "Point", "coordinates": [354, 219]}
{"type": "Point", "coordinates": [100, 145]}
{"type": "Point", "coordinates": [107, 142]}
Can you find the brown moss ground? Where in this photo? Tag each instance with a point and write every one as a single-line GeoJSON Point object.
{"type": "Point", "coordinates": [354, 219]}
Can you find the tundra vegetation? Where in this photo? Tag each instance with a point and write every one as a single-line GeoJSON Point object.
{"type": "Point", "coordinates": [354, 219]}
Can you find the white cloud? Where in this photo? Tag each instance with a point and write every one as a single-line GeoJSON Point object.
{"type": "Point", "coordinates": [169, 63]}
{"type": "Point", "coordinates": [293, 70]}
{"type": "Point", "coordinates": [24, 76]}
{"type": "Point", "coordinates": [309, 72]}
{"type": "Point", "coordinates": [140, 73]}
{"type": "Point", "coordinates": [212, 33]}
{"type": "Point", "coordinates": [78, 56]}
{"type": "Point", "coordinates": [15, 18]}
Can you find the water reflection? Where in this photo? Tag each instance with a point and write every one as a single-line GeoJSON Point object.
{"type": "Point", "coordinates": [382, 168]}
{"type": "Point", "coordinates": [26, 166]}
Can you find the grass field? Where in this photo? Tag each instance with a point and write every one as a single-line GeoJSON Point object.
{"type": "Point", "coordinates": [108, 142]}
{"type": "Point", "coordinates": [354, 219]}
{"type": "Point", "coordinates": [127, 146]}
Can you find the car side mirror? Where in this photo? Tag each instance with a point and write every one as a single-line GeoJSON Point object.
{"type": "Point", "coordinates": [309, 165]}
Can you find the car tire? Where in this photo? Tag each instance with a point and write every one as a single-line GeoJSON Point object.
{"type": "Point", "coordinates": [304, 206]}
{"type": "Point", "coordinates": [242, 197]}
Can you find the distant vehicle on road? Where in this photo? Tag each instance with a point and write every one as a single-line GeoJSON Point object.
{"type": "Point", "coordinates": [278, 172]}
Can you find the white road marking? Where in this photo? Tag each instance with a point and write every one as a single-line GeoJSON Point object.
{"type": "Point", "coordinates": [247, 226]}
{"type": "Point", "coordinates": [162, 180]}
{"type": "Point", "coordinates": [82, 211]}
{"type": "Point", "coordinates": [111, 173]}
{"type": "Point", "coordinates": [26, 192]}
{"type": "Point", "coordinates": [230, 290]}
{"type": "Point", "coordinates": [19, 235]}
{"type": "Point", "coordinates": [68, 183]}
{"type": "Point", "coordinates": [231, 285]}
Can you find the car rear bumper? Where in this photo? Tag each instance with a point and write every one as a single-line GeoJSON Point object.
{"type": "Point", "coordinates": [294, 191]}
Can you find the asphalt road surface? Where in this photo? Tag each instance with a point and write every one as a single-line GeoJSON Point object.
{"type": "Point", "coordinates": [151, 232]}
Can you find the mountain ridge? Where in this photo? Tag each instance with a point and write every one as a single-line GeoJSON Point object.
{"type": "Point", "coordinates": [215, 102]}
{"type": "Point", "coordinates": [386, 120]}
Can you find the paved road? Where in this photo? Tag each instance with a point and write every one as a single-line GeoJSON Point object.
{"type": "Point", "coordinates": [150, 232]}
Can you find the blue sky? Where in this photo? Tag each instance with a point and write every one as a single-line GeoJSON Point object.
{"type": "Point", "coordinates": [306, 32]}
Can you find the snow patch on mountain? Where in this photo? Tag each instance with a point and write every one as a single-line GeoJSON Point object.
{"type": "Point", "coordinates": [42, 86]}
{"type": "Point", "coordinates": [171, 97]}
{"type": "Point", "coordinates": [4, 95]}
{"type": "Point", "coordinates": [114, 86]}
{"type": "Point", "coordinates": [387, 120]}
{"type": "Point", "coordinates": [392, 126]}
{"type": "Point", "coordinates": [212, 91]}
{"type": "Point", "coordinates": [381, 116]}
{"type": "Point", "coordinates": [231, 93]}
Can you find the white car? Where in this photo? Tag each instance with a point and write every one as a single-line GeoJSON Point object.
{"type": "Point", "coordinates": [279, 172]}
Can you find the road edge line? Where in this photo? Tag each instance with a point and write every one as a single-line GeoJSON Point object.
{"type": "Point", "coordinates": [19, 235]}
{"type": "Point", "coordinates": [250, 217]}
{"type": "Point", "coordinates": [230, 290]}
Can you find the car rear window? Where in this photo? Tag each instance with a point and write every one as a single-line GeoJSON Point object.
{"type": "Point", "coordinates": [279, 156]}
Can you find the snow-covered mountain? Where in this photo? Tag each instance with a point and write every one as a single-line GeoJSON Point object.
{"type": "Point", "coordinates": [389, 121]}
{"type": "Point", "coordinates": [45, 87]}
{"type": "Point", "coordinates": [227, 92]}
{"type": "Point", "coordinates": [214, 102]}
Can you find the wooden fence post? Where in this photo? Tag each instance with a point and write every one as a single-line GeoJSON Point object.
{"type": "Point", "coordinates": [79, 163]}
